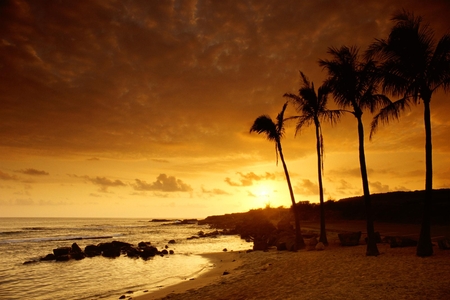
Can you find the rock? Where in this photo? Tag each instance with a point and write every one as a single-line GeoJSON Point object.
{"type": "Point", "coordinates": [77, 255]}
{"type": "Point", "coordinates": [164, 252]}
{"type": "Point", "coordinates": [171, 252]}
{"type": "Point", "coordinates": [92, 250]}
{"type": "Point", "coordinates": [48, 257]}
{"type": "Point", "coordinates": [260, 244]}
{"type": "Point", "coordinates": [444, 244]}
{"type": "Point", "coordinates": [172, 242]}
{"type": "Point", "coordinates": [349, 239]}
{"type": "Point", "coordinates": [133, 252]}
{"type": "Point", "coordinates": [320, 246]}
{"type": "Point", "coordinates": [286, 243]}
{"type": "Point", "coordinates": [225, 273]}
{"type": "Point", "coordinates": [225, 250]}
{"type": "Point", "coordinates": [149, 252]}
{"type": "Point", "coordinates": [75, 248]}
{"type": "Point", "coordinates": [144, 244]}
{"type": "Point", "coordinates": [62, 251]}
{"type": "Point", "coordinates": [62, 258]}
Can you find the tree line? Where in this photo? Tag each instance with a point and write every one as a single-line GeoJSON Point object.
{"type": "Point", "coordinates": [409, 66]}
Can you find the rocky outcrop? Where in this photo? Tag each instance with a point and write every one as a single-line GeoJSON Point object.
{"type": "Point", "coordinates": [112, 249]}
{"type": "Point", "coordinates": [400, 241]}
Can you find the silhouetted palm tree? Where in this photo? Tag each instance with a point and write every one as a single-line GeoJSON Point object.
{"type": "Point", "coordinates": [353, 85]}
{"type": "Point", "coordinates": [313, 108]}
{"type": "Point", "coordinates": [413, 67]}
{"type": "Point", "coordinates": [274, 132]}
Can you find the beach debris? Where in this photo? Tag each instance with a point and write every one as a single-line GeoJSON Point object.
{"type": "Point", "coordinates": [444, 244]}
{"type": "Point", "coordinates": [349, 238]}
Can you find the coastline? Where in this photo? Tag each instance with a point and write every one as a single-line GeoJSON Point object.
{"type": "Point", "coordinates": [335, 273]}
{"type": "Point", "coordinates": [219, 263]}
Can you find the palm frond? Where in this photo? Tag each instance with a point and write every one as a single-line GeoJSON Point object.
{"type": "Point", "coordinates": [390, 112]}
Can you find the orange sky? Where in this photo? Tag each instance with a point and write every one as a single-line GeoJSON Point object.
{"type": "Point", "coordinates": [143, 108]}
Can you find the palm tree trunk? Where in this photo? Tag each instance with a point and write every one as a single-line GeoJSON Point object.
{"type": "Point", "coordinates": [425, 247]}
{"type": "Point", "coordinates": [300, 243]}
{"type": "Point", "coordinates": [323, 233]}
{"type": "Point", "coordinates": [372, 249]}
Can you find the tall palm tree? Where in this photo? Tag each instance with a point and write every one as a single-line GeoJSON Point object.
{"type": "Point", "coordinates": [313, 108]}
{"type": "Point", "coordinates": [274, 132]}
{"type": "Point", "coordinates": [413, 67]}
{"type": "Point", "coordinates": [353, 85]}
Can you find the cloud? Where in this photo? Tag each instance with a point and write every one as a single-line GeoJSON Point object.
{"type": "Point", "coordinates": [249, 178]}
{"type": "Point", "coordinates": [163, 183]}
{"type": "Point", "coordinates": [33, 172]}
{"type": "Point", "coordinates": [214, 192]}
{"type": "Point", "coordinates": [306, 187]}
{"type": "Point", "coordinates": [105, 183]}
{"type": "Point", "coordinates": [378, 187]}
{"type": "Point", "coordinates": [5, 176]}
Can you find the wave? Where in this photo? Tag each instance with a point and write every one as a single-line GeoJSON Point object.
{"type": "Point", "coordinates": [60, 238]}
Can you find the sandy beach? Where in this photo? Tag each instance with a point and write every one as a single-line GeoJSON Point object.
{"type": "Point", "coordinates": [334, 273]}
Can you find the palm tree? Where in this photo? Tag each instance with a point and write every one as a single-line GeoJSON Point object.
{"type": "Point", "coordinates": [413, 67]}
{"type": "Point", "coordinates": [353, 85]}
{"type": "Point", "coordinates": [274, 132]}
{"type": "Point", "coordinates": [313, 108]}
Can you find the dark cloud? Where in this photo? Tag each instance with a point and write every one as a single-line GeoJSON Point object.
{"type": "Point", "coordinates": [249, 178]}
{"type": "Point", "coordinates": [5, 176]}
{"type": "Point", "coordinates": [163, 183]}
{"type": "Point", "coordinates": [105, 183]}
{"type": "Point", "coordinates": [33, 172]}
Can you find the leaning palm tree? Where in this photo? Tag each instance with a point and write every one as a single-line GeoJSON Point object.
{"type": "Point", "coordinates": [313, 108]}
{"type": "Point", "coordinates": [413, 67]}
{"type": "Point", "coordinates": [353, 85]}
{"type": "Point", "coordinates": [274, 132]}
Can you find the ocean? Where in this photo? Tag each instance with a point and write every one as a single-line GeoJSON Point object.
{"type": "Point", "coordinates": [28, 239]}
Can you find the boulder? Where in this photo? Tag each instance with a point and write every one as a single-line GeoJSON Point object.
{"type": "Point", "coordinates": [444, 244]}
{"type": "Point", "coordinates": [172, 242]}
{"type": "Point", "coordinates": [77, 255]}
{"type": "Point", "coordinates": [349, 238]}
{"type": "Point", "coordinates": [164, 252]}
{"type": "Point", "coordinates": [75, 248]}
{"type": "Point", "coordinates": [171, 252]}
{"type": "Point", "coordinates": [144, 244]}
{"type": "Point", "coordinates": [62, 258]}
{"type": "Point", "coordinates": [260, 244]}
{"type": "Point", "coordinates": [149, 252]}
{"type": "Point", "coordinates": [92, 250]}
{"type": "Point", "coordinates": [62, 251]}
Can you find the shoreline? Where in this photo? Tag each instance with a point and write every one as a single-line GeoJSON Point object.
{"type": "Point", "coordinates": [335, 273]}
{"type": "Point", "coordinates": [219, 262]}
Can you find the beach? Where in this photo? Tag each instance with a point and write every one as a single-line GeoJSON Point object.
{"type": "Point", "coordinates": [334, 273]}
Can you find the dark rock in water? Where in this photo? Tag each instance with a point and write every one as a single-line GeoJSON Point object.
{"type": "Point", "coordinates": [62, 251]}
{"type": "Point", "coordinates": [149, 252]}
{"type": "Point", "coordinates": [225, 273]}
{"type": "Point", "coordinates": [225, 250]}
{"type": "Point", "coordinates": [111, 252]}
{"type": "Point", "coordinates": [48, 257]}
{"type": "Point", "coordinates": [350, 239]}
{"type": "Point", "coordinates": [133, 252]}
{"type": "Point", "coordinates": [122, 297]}
{"type": "Point", "coordinates": [76, 248]}
{"type": "Point", "coordinates": [444, 244]}
{"type": "Point", "coordinates": [30, 262]}
{"type": "Point", "coordinates": [92, 250]}
{"type": "Point", "coordinates": [78, 255]}
{"type": "Point", "coordinates": [144, 244]}
{"type": "Point", "coordinates": [400, 241]}
{"type": "Point", "coordinates": [62, 258]}
{"type": "Point", "coordinates": [164, 252]}
{"type": "Point", "coordinates": [172, 242]}
{"type": "Point", "coordinates": [171, 252]}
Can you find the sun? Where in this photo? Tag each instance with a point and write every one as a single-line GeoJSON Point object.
{"type": "Point", "coordinates": [263, 194]}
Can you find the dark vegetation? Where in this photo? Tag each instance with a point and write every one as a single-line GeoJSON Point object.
{"type": "Point", "coordinates": [394, 207]}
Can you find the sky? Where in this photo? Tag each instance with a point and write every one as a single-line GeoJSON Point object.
{"type": "Point", "coordinates": [143, 108]}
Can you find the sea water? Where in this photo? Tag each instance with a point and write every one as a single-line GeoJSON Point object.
{"type": "Point", "coordinates": [28, 239]}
